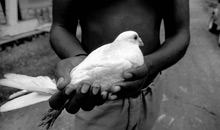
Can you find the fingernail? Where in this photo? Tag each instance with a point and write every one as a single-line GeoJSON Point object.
{"type": "Point", "coordinates": [60, 80]}
{"type": "Point", "coordinates": [69, 89]}
{"type": "Point", "coordinates": [113, 97]}
{"type": "Point", "coordinates": [104, 94]}
{"type": "Point", "coordinates": [85, 88]}
{"type": "Point", "coordinates": [116, 89]}
{"type": "Point", "coordinates": [128, 75]}
{"type": "Point", "coordinates": [95, 90]}
{"type": "Point", "coordinates": [109, 96]}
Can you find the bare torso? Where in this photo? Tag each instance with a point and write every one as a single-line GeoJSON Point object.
{"type": "Point", "coordinates": [101, 22]}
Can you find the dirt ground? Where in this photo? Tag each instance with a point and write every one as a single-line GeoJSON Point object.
{"type": "Point", "coordinates": [191, 100]}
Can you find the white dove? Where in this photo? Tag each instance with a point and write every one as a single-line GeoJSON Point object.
{"type": "Point", "coordinates": [104, 66]}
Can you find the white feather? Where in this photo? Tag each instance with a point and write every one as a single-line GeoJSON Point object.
{"type": "Point", "coordinates": [42, 84]}
{"type": "Point", "coordinates": [18, 94]}
{"type": "Point", "coordinates": [24, 101]}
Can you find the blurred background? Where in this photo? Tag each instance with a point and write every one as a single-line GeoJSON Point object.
{"type": "Point", "coordinates": [191, 100]}
{"type": "Point", "coordinates": [24, 32]}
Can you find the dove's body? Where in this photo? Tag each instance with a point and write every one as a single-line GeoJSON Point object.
{"type": "Point", "coordinates": [104, 65]}
{"type": "Point", "coordinates": [107, 63]}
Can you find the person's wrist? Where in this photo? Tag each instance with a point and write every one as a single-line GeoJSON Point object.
{"type": "Point", "coordinates": [152, 71]}
{"type": "Point", "coordinates": [149, 65]}
{"type": "Point", "coordinates": [76, 59]}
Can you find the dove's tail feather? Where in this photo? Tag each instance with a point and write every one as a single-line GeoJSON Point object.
{"type": "Point", "coordinates": [23, 101]}
{"type": "Point", "coordinates": [42, 84]}
{"type": "Point", "coordinates": [18, 94]}
{"type": "Point", "coordinates": [50, 117]}
{"type": "Point", "coordinates": [34, 90]}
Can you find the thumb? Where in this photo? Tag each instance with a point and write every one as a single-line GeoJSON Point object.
{"type": "Point", "coordinates": [135, 73]}
{"type": "Point", "coordinates": [63, 78]}
{"type": "Point", "coordinates": [62, 82]}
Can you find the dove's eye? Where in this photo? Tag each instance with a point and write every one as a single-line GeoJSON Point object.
{"type": "Point", "coordinates": [135, 37]}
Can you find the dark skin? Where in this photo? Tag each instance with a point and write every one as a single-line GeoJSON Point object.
{"type": "Point", "coordinates": [101, 22]}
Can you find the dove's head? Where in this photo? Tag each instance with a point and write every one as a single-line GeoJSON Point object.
{"type": "Point", "coordinates": [130, 36]}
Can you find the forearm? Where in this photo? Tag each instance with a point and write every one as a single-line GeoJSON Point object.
{"type": "Point", "coordinates": [64, 43]}
{"type": "Point", "coordinates": [171, 51]}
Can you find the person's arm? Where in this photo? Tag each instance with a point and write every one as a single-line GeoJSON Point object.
{"type": "Point", "coordinates": [177, 37]}
{"type": "Point", "coordinates": [64, 42]}
{"type": "Point", "coordinates": [63, 32]}
{"type": "Point", "coordinates": [68, 48]}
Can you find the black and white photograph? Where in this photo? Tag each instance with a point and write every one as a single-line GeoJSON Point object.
{"type": "Point", "coordinates": [110, 65]}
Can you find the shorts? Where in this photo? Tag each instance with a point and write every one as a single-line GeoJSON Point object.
{"type": "Point", "coordinates": [138, 113]}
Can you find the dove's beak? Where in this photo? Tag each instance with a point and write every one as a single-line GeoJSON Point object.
{"type": "Point", "coordinates": [140, 42]}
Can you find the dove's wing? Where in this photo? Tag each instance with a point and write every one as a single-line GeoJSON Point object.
{"type": "Point", "coordinates": [24, 101]}
{"type": "Point", "coordinates": [95, 55]}
{"type": "Point", "coordinates": [79, 72]}
{"type": "Point", "coordinates": [42, 84]}
{"type": "Point", "coordinates": [106, 71]}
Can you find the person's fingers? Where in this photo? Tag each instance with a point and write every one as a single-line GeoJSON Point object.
{"type": "Point", "coordinates": [127, 86]}
{"type": "Point", "coordinates": [60, 81]}
{"type": "Point", "coordinates": [85, 88]}
{"type": "Point", "coordinates": [58, 100]}
{"type": "Point", "coordinates": [112, 97]}
{"type": "Point", "coordinates": [116, 88]}
{"type": "Point", "coordinates": [135, 73]}
{"type": "Point", "coordinates": [86, 93]}
{"type": "Point", "coordinates": [96, 88]}
{"type": "Point", "coordinates": [125, 89]}
{"type": "Point", "coordinates": [80, 99]}
{"type": "Point", "coordinates": [62, 76]}
{"type": "Point", "coordinates": [69, 89]}
{"type": "Point", "coordinates": [104, 95]}
{"type": "Point", "coordinates": [87, 106]}
{"type": "Point", "coordinates": [95, 95]}
{"type": "Point", "coordinates": [73, 106]}
{"type": "Point", "coordinates": [64, 80]}
{"type": "Point", "coordinates": [88, 96]}
{"type": "Point", "coordinates": [74, 103]}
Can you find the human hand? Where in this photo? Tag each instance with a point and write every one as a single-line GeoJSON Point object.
{"type": "Point", "coordinates": [63, 69]}
{"type": "Point", "coordinates": [62, 75]}
{"type": "Point", "coordinates": [86, 96]}
{"type": "Point", "coordinates": [135, 80]}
